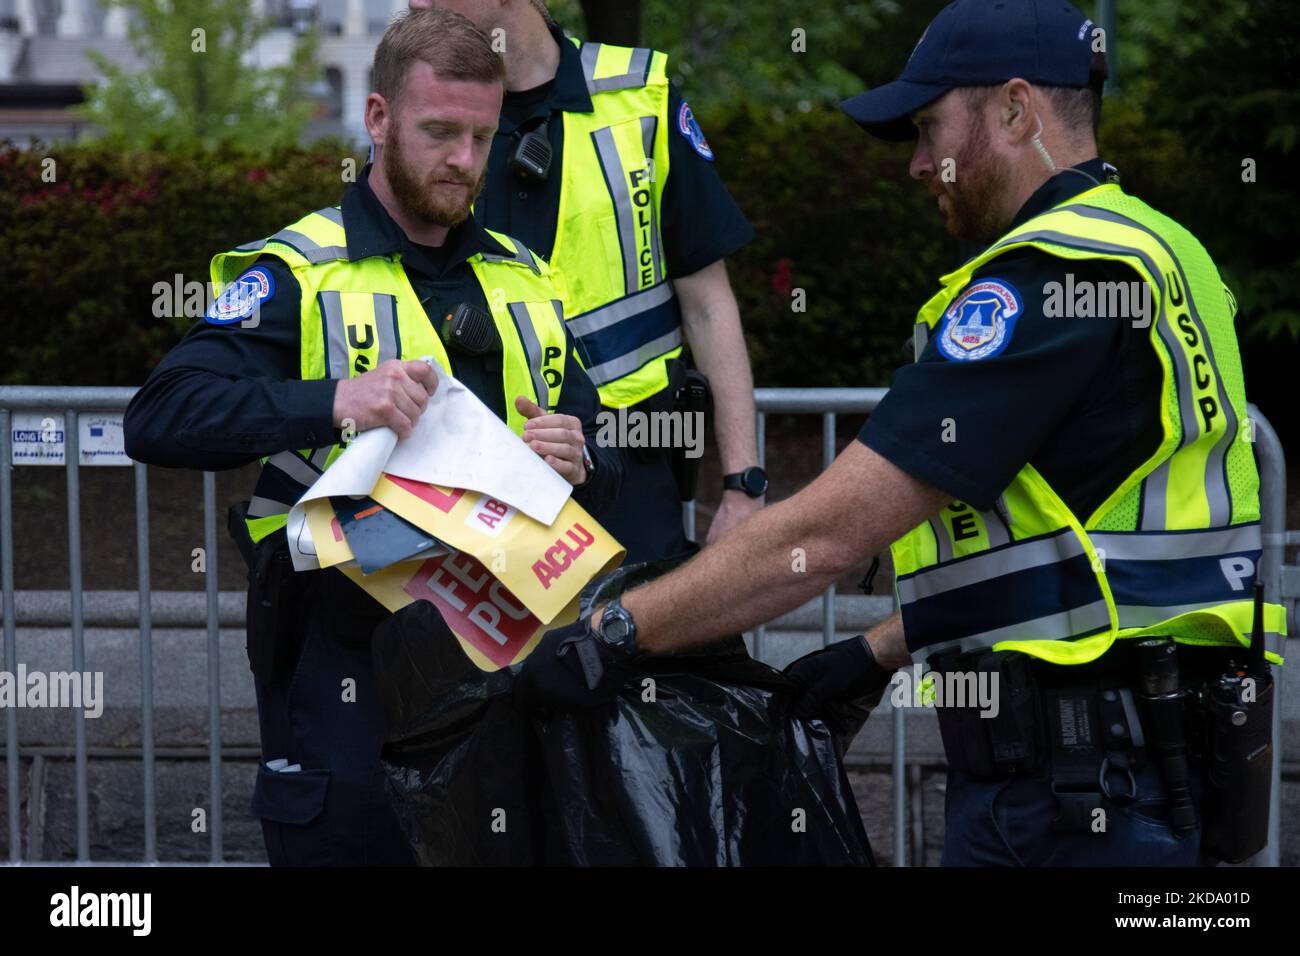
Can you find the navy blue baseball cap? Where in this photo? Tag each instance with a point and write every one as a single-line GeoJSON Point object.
{"type": "Point", "coordinates": [981, 43]}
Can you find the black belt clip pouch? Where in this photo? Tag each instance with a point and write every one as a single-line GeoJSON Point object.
{"type": "Point", "coordinates": [988, 712]}
{"type": "Point", "coordinates": [692, 399]}
{"type": "Point", "coordinates": [272, 598]}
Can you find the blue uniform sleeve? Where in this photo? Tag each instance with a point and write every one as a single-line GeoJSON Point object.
{"type": "Point", "coordinates": [580, 399]}
{"type": "Point", "coordinates": [701, 222]}
{"type": "Point", "coordinates": [228, 394]}
{"type": "Point", "coordinates": [999, 374]}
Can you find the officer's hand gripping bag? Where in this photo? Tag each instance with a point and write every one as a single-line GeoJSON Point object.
{"type": "Point", "coordinates": [703, 766]}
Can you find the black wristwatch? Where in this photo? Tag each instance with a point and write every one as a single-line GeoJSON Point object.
{"type": "Point", "coordinates": [617, 629]}
{"type": "Point", "coordinates": [752, 481]}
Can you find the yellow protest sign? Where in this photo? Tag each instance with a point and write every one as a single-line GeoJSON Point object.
{"type": "Point", "coordinates": [544, 567]}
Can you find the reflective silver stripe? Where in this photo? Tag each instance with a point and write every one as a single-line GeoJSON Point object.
{"type": "Point", "coordinates": [626, 364]}
{"type": "Point", "coordinates": [1077, 621]}
{"type": "Point", "coordinates": [334, 334]}
{"type": "Point", "coordinates": [307, 248]}
{"type": "Point", "coordinates": [637, 69]}
{"type": "Point", "coordinates": [293, 466]}
{"type": "Point", "coordinates": [649, 126]}
{"type": "Point", "coordinates": [533, 349]}
{"type": "Point", "coordinates": [943, 544]}
{"type": "Point", "coordinates": [995, 528]}
{"type": "Point", "coordinates": [521, 255]}
{"type": "Point", "coordinates": [1155, 497]}
{"type": "Point", "coordinates": [616, 181]}
{"type": "Point", "coordinates": [1217, 493]}
{"type": "Point", "coordinates": [320, 456]}
{"type": "Point", "coordinates": [621, 309]}
{"type": "Point", "coordinates": [986, 565]}
{"type": "Point", "coordinates": [920, 338]}
{"type": "Point", "coordinates": [386, 326]}
{"type": "Point", "coordinates": [589, 54]}
{"type": "Point", "coordinates": [1174, 545]}
{"type": "Point", "coordinates": [259, 507]}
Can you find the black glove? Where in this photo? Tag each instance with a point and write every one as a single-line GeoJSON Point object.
{"type": "Point", "coordinates": [571, 669]}
{"type": "Point", "coordinates": [842, 672]}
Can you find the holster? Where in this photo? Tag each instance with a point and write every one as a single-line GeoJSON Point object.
{"type": "Point", "coordinates": [274, 594]}
{"type": "Point", "coordinates": [1008, 742]}
{"type": "Point", "coordinates": [691, 395]}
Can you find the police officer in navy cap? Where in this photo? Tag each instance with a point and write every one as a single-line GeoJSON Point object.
{"type": "Point", "coordinates": [1060, 474]}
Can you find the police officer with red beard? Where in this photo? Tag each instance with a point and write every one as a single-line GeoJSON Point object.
{"type": "Point", "coordinates": [258, 379]}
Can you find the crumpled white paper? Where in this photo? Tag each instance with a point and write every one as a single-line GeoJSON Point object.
{"type": "Point", "coordinates": [458, 443]}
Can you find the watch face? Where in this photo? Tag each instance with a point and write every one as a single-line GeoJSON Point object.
{"type": "Point", "coordinates": [615, 631]}
{"type": "Point", "coordinates": [755, 481]}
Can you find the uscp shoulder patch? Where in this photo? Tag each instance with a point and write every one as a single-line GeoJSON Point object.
{"type": "Point", "coordinates": [241, 297]}
{"type": "Point", "coordinates": [979, 323]}
{"type": "Point", "coordinates": [690, 129]}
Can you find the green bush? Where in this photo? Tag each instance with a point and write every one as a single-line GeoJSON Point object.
{"type": "Point", "coordinates": [835, 213]}
{"type": "Point", "coordinates": [82, 254]}
{"type": "Point", "coordinates": [837, 216]}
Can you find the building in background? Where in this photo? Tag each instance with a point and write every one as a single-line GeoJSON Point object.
{"type": "Point", "coordinates": [43, 62]}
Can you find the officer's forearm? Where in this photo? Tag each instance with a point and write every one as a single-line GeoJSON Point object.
{"type": "Point", "coordinates": [711, 319]}
{"type": "Point", "coordinates": [785, 554]}
{"type": "Point", "coordinates": [192, 418]}
{"type": "Point", "coordinates": [888, 644]}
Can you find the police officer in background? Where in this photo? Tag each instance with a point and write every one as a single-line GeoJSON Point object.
{"type": "Point", "coordinates": [320, 328]}
{"type": "Point", "coordinates": [1062, 490]}
{"type": "Point", "coordinates": [601, 168]}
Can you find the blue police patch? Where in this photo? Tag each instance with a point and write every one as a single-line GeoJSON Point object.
{"type": "Point", "coordinates": [240, 298]}
{"type": "Point", "coordinates": [979, 323]}
{"type": "Point", "coordinates": [690, 129]}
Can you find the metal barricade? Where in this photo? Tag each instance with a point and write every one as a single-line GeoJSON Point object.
{"type": "Point", "coordinates": [1282, 583]}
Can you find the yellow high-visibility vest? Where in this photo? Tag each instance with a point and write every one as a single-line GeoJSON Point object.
{"type": "Point", "coordinates": [1174, 550]}
{"type": "Point", "coordinates": [608, 255]}
{"type": "Point", "coordinates": [357, 314]}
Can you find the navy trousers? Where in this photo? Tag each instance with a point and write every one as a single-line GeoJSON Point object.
{"type": "Point", "coordinates": [326, 717]}
{"type": "Point", "coordinates": [647, 517]}
{"type": "Point", "coordinates": [1009, 823]}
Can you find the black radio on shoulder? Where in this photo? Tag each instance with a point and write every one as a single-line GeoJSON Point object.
{"type": "Point", "coordinates": [469, 329]}
{"type": "Point", "coordinates": [531, 160]}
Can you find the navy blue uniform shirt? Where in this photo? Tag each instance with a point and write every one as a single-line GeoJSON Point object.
{"type": "Point", "coordinates": [1078, 398]}
{"type": "Point", "coordinates": [700, 224]}
{"type": "Point", "coordinates": [227, 395]}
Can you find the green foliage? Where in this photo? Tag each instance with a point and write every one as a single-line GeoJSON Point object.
{"type": "Point", "coordinates": [196, 84]}
{"type": "Point", "coordinates": [836, 216]}
{"type": "Point", "coordinates": [82, 254]}
{"type": "Point", "coordinates": [1220, 76]}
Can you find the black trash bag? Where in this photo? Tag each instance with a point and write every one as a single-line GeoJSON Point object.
{"type": "Point", "coordinates": [697, 762]}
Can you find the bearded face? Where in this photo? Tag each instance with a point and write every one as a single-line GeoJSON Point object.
{"type": "Point", "coordinates": [956, 158]}
{"type": "Point", "coordinates": [441, 196]}
{"type": "Point", "coordinates": [971, 203]}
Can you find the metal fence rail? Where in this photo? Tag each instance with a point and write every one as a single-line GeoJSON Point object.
{"type": "Point", "coordinates": [1282, 584]}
